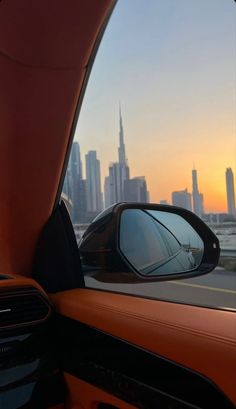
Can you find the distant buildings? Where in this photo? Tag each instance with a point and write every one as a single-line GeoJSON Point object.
{"type": "Point", "coordinates": [93, 183]}
{"type": "Point", "coordinates": [230, 191]}
{"type": "Point", "coordinates": [118, 173]}
{"type": "Point", "coordinates": [115, 184]}
{"type": "Point", "coordinates": [182, 199]}
{"type": "Point", "coordinates": [75, 161]}
{"type": "Point", "coordinates": [135, 190]}
{"type": "Point", "coordinates": [82, 201]}
{"type": "Point", "coordinates": [190, 202]}
{"type": "Point", "coordinates": [118, 186]}
{"type": "Point", "coordinates": [107, 192]}
{"type": "Point", "coordinates": [73, 180]}
{"type": "Point", "coordinates": [218, 218]}
{"type": "Point", "coordinates": [197, 197]}
{"type": "Point", "coordinates": [85, 194]}
{"type": "Point", "coordinates": [86, 199]}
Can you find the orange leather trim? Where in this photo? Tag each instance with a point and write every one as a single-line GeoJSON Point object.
{"type": "Point", "coordinates": [45, 47]}
{"type": "Point", "coordinates": [199, 338]}
{"type": "Point", "coordinates": [85, 396]}
{"type": "Point", "coordinates": [17, 281]}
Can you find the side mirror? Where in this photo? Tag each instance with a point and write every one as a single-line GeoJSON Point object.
{"type": "Point", "coordinates": [149, 242]}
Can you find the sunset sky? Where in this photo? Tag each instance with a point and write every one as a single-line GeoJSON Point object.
{"type": "Point", "coordinates": [172, 65]}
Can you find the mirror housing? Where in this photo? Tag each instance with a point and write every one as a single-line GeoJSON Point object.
{"type": "Point", "coordinates": [101, 251]}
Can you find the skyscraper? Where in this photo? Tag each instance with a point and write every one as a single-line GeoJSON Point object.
{"type": "Point", "coordinates": [75, 161]}
{"type": "Point", "coordinates": [182, 199]}
{"type": "Point", "coordinates": [76, 176]}
{"type": "Point", "coordinates": [107, 192]}
{"type": "Point", "coordinates": [121, 149]}
{"type": "Point", "coordinates": [72, 180]}
{"type": "Point", "coordinates": [135, 190]}
{"type": "Point", "coordinates": [123, 163]}
{"type": "Point", "coordinates": [118, 172]}
{"type": "Point", "coordinates": [230, 191]}
{"type": "Point", "coordinates": [93, 183]}
{"type": "Point", "coordinates": [197, 197]}
{"type": "Point", "coordinates": [82, 202]}
{"type": "Point", "coordinates": [115, 183]}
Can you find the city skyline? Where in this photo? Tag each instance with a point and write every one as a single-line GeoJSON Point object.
{"type": "Point", "coordinates": [121, 169]}
{"type": "Point", "coordinates": [210, 206]}
{"type": "Point", "coordinates": [188, 183]}
{"type": "Point", "coordinates": [176, 85]}
{"type": "Point", "coordinates": [86, 194]}
{"type": "Point", "coordinates": [119, 186]}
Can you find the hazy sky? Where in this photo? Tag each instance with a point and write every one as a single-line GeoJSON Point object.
{"type": "Point", "coordinates": [172, 65]}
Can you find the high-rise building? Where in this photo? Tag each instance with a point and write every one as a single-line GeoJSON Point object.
{"type": "Point", "coordinates": [67, 186]}
{"type": "Point", "coordinates": [118, 172]}
{"type": "Point", "coordinates": [107, 194]}
{"type": "Point", "coordinates": [182, 199]}
{"type": "Point", "coordinates": [135, 190]}
{"type": "Point", "coordinates": [82, 202]}
{"type": "Point", "coordinates": [230, 191]}
{"type": "Point", "coordinates": [72, 180]}
{"type": "Point", "coordinates": [93, 183]}
{"type": "Point", "coordinates": [201, 203]}
{"type": "Point", "coordinates": [115, 183]}
{"type": "Point", "coordinates": [123, 163]}
{"type": "Point", "coordinates": [198, 207]}
{"type": "Point", "coordinates": [121, 149]}
{"type": "Point", "coordinates": [75, 161]}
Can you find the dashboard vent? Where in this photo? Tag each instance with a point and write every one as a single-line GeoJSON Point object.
{"type": "Point", "coordinates": [22, 308]}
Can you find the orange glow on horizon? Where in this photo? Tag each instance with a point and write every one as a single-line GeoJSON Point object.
{"type": "Point", "coordinates": [177, 95]}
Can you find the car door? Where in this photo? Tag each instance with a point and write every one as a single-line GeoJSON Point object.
{"type": "Point", "coordinates": [129, 350]}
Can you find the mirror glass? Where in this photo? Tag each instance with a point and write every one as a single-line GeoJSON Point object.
{"type": "Point", "coordinates": [157, 243]}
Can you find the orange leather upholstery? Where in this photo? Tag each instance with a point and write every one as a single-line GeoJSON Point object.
{"type": "Point", "coordinates": [17, 281]}
{"type": "Point", "coordinates": [45, 47]}
{"type": "Point", "coordinates": [199, 338]}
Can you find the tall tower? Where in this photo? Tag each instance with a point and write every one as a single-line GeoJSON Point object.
{"type": "Point", "coordinates": [197, 197]}
{"type": "Point", "coordinates": [93, 183]}
{"type": "Point", "coordinates": [75, 161]}
{"type": "Point", "coordinates": [107, 192]}
{"type": "Point", "coordinates": [121, 149]}
{"type": "Point", "coordinates": [72, 180]}
{"type": "Point", "coordinates": [118, 172]}
{"type": "Point", "coordinates": [230, 191]}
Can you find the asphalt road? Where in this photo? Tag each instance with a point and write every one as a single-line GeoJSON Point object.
{"type": "Point", "coordinates": [216, 289]}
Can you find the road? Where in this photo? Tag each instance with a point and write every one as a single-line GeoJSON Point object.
{"type": "Point", "coordinates": [216, 289]}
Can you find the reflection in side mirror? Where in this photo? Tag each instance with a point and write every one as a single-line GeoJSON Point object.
{"type": "Point", "coordinates": [159, 243]}
{"type": "Point", "coordinates": [133, 242]}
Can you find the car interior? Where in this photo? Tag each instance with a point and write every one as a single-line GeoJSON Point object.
{"type": "Point", "coordinates": [62, 345]}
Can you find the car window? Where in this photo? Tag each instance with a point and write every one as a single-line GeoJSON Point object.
{"type": "Point", "coordinates": [158, 125]}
